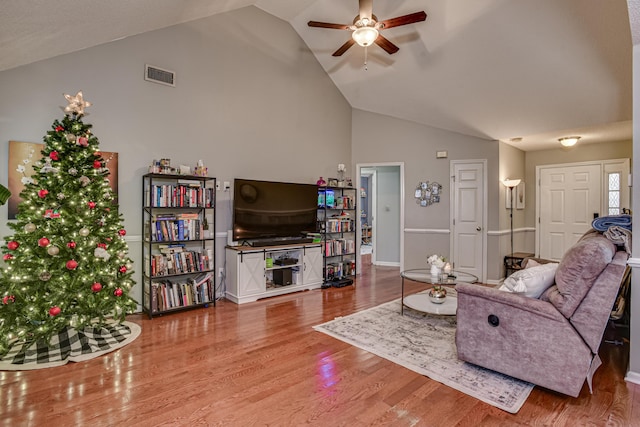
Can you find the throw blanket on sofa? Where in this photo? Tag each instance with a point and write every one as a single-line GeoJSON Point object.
{"type": "Point", "coordinates": [604, 222]}
{"type": "Point", "coordinates": [619, 236]}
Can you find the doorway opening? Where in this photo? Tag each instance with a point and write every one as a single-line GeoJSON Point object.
{"type": "Point", "coordinates": [380, 223]}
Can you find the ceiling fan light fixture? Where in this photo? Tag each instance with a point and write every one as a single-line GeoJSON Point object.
{"type": "Point", "coordinates": [365, 36]}
{"type": "Point", "coordinates": [569, 141]}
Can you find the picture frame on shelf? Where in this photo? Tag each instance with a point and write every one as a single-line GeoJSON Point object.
{"type": "Point", "coordinates": [332, 182]}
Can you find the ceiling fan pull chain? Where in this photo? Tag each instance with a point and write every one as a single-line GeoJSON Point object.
{"type": "Point", "coordinates": [365, 58]}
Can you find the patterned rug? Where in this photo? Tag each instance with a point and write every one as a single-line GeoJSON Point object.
{"type": "Point", "coordinates": [70, 345]}
{"type": "Point", "coordinates": [425, 344]}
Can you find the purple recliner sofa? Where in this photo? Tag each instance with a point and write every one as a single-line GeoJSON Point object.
{"type": "Point", "coordinates": [551, 341]}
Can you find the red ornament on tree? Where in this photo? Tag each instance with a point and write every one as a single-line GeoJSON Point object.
{"type": "Point", "coordinates": [123, 269]}
{"type": "Point", "coordinates": [71, 245]}
{"type": "Point", "coordinates": [59, 128]}
{"type": "Point", "coordinates": [7, 257]}
{"type": "Point", "coordinates": [7, 299]}
{"type": "Point", "coordinates": [82, 141]}
{"type": "Point", "coordinates": [102, 245]}
{"type": "Point", "coordinates": [44, 242]}
{"type": "Point", "coordinates": [13, 245]}
{"type": "Point", "coordinates": [96, 287]}
{"type": "Point", "coordinates": [54, 311]}
{"type": "Point", "coordinates": [43, 193]}
{"type": "Point", "coordinates": [72, 264]}
{"type": "Point", "coordinates": [54, 155]}
{"type": "Point", "coordinates": [122, 232]}
{"type": "Point", "coordinates": [92, 205]}
{"type": "Point", "coordinates": [118, 292]}
{"type": "Point", "coordinates": [97, 164]}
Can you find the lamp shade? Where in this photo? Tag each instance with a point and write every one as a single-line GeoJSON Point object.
{"type": "Point", "coordinates": [365, 36]}
{"type": "Point", "coordinates": [510, 183]}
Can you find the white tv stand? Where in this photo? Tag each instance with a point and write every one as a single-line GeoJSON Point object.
{"type": "Point", "coordinates": [293, 268]}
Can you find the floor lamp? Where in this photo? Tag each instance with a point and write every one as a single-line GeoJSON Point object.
{"type": "Point", "coordinates": [511, 184]}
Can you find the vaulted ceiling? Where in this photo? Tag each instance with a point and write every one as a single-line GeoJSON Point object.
{"type": "Point", "coordinates": [496, 69]}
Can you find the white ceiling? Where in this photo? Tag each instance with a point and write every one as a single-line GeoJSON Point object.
{"type": "Point", "coordinates": [497, 69]}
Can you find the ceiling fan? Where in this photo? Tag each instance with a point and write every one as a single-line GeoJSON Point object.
{"type": "Point", "coordinates": [366, 28]}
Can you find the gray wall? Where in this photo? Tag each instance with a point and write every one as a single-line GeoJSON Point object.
{"type": "Point", "coordinates": [249, 107]}
{"type": "Point", "coordinates": [377, 139]}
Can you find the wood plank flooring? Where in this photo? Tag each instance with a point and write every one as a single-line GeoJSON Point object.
{"type": "Point", "coordinates": [263, 364]}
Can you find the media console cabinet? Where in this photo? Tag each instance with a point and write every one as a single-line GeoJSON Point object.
{"type": "Point", "coordinates": [260, 272]}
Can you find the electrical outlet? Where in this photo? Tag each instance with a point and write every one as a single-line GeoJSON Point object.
{"type": "Point", "coordinates": [220, 272]}
{"type": "Point", "coordinates": [227, 185]}
{"type": "Point", "coordinates": [218, 187]}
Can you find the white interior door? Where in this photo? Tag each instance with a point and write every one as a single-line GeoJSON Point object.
{"type": "Point", "coordinates": [468, 221]}
{"type": "Point", "coordinates": [569, 196]}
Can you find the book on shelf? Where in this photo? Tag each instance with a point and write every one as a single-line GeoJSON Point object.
{"type": "Point", "coordinates": [181, 195]}
{"type": "Point", "coordinates": [169, 294]}
{"type": "Point", "coordinates": [177, 227]}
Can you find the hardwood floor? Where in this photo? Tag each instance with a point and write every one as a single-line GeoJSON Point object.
{"type": "Point", "coordinates": [263, 364]}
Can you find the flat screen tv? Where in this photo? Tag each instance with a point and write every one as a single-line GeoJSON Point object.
{"type": "Point", "coordinates": [267, 209]}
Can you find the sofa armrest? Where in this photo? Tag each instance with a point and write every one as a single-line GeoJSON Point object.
{"type": "Point", "coordinates": [521, 302]}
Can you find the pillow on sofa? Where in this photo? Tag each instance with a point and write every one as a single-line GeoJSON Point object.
{"type": "Point", "coordinates": [536, 280]}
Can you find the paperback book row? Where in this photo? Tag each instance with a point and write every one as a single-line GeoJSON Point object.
{"type": "Point", "coordinates": [171, 227]}
{"type": "Point", "coordinates": [166, 294]}
{"type": "Point", "coordinates": [338, 270]}
{"type": "Point", "coordinates": [339, 225]}
{"type": "Point", "coordinates": [181, 195]}
{"type": "Point", "coordinates": [337, 247]}
{"type": "Point", "coordinates": [176, 259]}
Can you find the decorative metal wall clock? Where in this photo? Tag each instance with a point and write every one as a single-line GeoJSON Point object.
{"type": "Point", "coordinates": [427, 193]}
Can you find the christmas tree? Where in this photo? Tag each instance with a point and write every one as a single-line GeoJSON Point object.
{"type": "Point", "coordinates": [67, 264]}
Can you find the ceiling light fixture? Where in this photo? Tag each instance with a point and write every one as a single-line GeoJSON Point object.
{"type": "Point", "coordinates": [365, 36]}
{"type": "Point", "coordinates": [569, 141]}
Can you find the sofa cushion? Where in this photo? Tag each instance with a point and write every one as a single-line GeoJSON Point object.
{"type": "Point", "coordinates": [532, 281]}
{"type": "Point", "coordinates": [578, 270]}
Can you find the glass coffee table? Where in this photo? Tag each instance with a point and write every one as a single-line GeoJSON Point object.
{"type": "Point", "coordinates": [420, 301]}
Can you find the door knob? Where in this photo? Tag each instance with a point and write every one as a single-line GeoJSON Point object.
{"type": "Point", "coordinates": [478, 228]}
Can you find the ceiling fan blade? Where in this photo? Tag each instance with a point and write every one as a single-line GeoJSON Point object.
{"type": "Point", "coordinates": [366, 8]}
{"type": "Point", "coordinates": [384, 43]}
{"type": "Point", "coordinates": [404, 20]}
{"type": "Point", "coordinates": [344, 48]}
{"type": "Point", "coordinates": [327, 25]}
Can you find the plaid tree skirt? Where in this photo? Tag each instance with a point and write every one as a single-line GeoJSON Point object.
{"type": "Point", "coordinates": [70, 345]}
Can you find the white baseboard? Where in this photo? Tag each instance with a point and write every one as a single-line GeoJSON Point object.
{"type": "Point", "coordinates": [632, 377]}
{"type": "Point", "coordinates": [387, 264]}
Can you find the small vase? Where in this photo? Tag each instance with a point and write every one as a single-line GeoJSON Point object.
{"type": "Point", "coordinates": [435, 271]}
{"type": "Point", "coordinates": [437, 294]}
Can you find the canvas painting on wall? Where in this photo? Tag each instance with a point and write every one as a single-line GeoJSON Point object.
{"type": "Point", "coordinates": [520, 195]}
{"type": "Point", "coordinates": [22, 156]}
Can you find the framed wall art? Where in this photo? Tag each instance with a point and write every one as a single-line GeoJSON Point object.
{"type": "Point", "coordinates": [22, 156]}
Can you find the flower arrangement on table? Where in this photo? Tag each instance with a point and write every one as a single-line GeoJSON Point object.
{"type": "Point", "coordinates": [437, 260]}
{"type": "Point", "coordinates": [438, 293]}
{"type": "Point", "coordinates": [439, 266]}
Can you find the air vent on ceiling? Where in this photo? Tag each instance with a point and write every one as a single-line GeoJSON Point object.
{"type": "Point", "coordinates": [159, 75]}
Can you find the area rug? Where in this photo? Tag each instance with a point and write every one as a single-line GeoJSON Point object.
{"type": "Point", "coordinates": [70, 345]}
{"type": "Point", "coordinates": [425, 344]}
